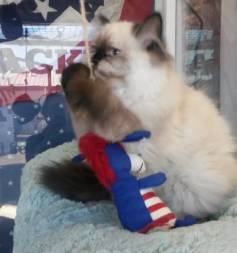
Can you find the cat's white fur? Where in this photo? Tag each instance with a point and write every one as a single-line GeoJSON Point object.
{"type": "Point", "coordinates": [191, 142]}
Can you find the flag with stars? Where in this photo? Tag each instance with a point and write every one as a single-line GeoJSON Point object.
{"type": "Point", "coordinates": [38, 39]}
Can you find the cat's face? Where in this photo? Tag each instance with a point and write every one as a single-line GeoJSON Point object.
{"type": "Point", "coordinates": [132, 58]}
{"type": "Point", "coordinates": [120, 44]}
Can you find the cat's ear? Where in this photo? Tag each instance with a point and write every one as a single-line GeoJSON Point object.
{"type": "Point", "coordinates": [100, 20]}
{"type": "Point", "coordinates": [98, 23]}
{"type": "Point", "coordinates": [150, 30]}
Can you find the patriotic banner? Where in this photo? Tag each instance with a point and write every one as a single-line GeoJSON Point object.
{"type": "Point", "coordinates": [38, 39]}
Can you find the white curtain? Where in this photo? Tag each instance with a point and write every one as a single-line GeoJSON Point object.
{"type": "Point", "coordinates": [229, 62]}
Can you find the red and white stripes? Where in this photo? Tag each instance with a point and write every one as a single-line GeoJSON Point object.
{"type": "Point", "coordinates": [161, 215]}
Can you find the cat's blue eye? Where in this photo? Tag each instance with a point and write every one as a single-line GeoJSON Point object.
{"type": "Point", "coordinates": [115, 51]}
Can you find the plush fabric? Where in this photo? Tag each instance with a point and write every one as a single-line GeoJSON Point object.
{"type": "Point", "coordinates": [47, 223]}
{"type": "Point", "coordinates": [139, 208]}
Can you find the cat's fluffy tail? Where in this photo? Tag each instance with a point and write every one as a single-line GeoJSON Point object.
{"type": "Point", "coordinates": [73, 181]}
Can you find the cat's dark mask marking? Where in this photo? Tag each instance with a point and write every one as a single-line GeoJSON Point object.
{"type": "Point", "coordinates": [103, 50]}
{"type": "Point", "coordinates": [100, 50]}
{"type": "Point", "coordinates": [150, 35]}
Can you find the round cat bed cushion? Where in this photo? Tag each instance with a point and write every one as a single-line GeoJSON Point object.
{"type": "Point", "coordinates": [45, 222]}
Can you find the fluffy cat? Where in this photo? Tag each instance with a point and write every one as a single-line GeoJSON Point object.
{"type": "Point", "coordinates": [191, 142]}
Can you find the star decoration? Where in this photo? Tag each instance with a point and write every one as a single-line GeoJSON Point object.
{"type": "Point", "coordinates": [43, 8]}
{"type": "Point", "coordinates": [91, 7]}
{"type": "Point", "coordinates": [10, 183]}
{"type": "Point", "coordinates": [61, 131]}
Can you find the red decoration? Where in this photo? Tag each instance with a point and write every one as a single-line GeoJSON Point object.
{"type": "Point", "coordinates": [136, 10]}
{"type": "Point", "coordinates": [98, 159]}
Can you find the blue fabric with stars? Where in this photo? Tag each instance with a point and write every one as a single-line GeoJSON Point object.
{"type": "Point", "coordinates": [15, 15]}
{"type": "Point", "coordinates": [40, 125]}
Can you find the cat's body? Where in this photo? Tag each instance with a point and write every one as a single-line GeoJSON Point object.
{"type": "Point", "coordinates": [190, 141]}
{"type": "Point", "coordinates": [193, 146]}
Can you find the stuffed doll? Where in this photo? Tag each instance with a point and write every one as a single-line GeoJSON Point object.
{"type": "Point", "coordinates": [139, 208]}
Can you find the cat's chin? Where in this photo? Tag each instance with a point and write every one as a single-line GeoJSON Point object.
{"type": "Point", "coordinates": [106, 71]}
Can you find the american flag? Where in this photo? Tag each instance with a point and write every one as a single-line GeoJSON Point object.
{"type": "Point", "coordinates": [38, 38]}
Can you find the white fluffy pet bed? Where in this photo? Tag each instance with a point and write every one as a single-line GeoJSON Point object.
{"type": "Point", "coordinates": [46, 222]}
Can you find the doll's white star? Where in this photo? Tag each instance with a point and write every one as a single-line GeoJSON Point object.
{"type": "Point", "coordinates": [43, 8]}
